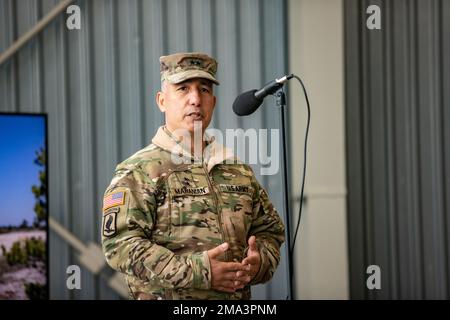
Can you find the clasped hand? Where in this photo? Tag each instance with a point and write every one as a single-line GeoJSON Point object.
{"type": "Point", "coordinates": [232, 276]}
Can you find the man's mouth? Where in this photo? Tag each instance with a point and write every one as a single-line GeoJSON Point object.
{"type": "Point", "coordinates": [194, 115]}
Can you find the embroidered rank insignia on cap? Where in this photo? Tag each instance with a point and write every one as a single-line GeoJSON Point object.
{"type": "Point", "coordinates": [109, 222]}
{"type": "Point", "coordinates": [113, 200]}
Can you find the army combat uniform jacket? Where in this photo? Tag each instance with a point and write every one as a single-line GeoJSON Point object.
{"type": "Point", "coordinates": [160, 217]}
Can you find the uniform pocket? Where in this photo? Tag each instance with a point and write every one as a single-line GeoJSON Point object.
{"type": "Point", "coordinates": [192, 210]}
{"type": "Point", "coordinates": [163, 220]}
{"type": "Point", "coordinates": [237, 198]}
{"type": "Point", "coordinates": [237, 212]}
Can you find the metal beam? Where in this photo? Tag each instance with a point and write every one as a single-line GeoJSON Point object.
{"type": "Point", "coordinates": [38, 27]}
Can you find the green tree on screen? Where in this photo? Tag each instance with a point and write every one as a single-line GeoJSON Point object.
{"type": "Point", "coordinates": [40, 191]}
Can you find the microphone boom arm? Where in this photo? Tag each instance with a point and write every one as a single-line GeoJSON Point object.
{"type": "Point", "coordinates": [272, 87]}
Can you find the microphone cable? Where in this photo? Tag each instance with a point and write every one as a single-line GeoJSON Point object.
{"type": "Point", "coordinates": [291, 248]}
{"type": "Point", "coordinates": [304, 164]}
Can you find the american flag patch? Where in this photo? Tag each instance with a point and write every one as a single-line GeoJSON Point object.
{"type": "Point", "coordinates": [112, 200]}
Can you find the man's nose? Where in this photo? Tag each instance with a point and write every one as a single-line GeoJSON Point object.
{"type": "Point", "coordinates": [195, 97]}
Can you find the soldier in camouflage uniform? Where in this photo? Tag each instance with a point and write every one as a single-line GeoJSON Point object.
{"type": "Point", "coordinates": [183, 224]}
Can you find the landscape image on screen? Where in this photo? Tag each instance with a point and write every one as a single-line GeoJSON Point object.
{"type": "Point", "coordinates": [23, 207]}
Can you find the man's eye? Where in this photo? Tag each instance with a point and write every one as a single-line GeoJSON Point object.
{"type": "Point", "coordinates": [206, 90]}
{"type": "Point", "coordinates": [182, 89]}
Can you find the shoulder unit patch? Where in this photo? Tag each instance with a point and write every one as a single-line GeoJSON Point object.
{"type": "Point", "coordinates": [109, 222]}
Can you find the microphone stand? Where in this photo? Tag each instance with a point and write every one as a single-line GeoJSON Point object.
{"type": "Point", "coordinates": [281, 102]}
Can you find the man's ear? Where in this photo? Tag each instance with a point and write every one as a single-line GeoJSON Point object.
{"type": "Point", "coordinates": [214, 104]}
{"type": "Point", "coordinates": [160, 100]}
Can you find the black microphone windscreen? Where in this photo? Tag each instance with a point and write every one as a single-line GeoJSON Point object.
{"type": "Point", "coordinates": [246, 103]}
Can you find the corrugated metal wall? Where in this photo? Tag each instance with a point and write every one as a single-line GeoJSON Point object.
{"type": "Point", "coordinates": [398, 147]}
{"type": "Point", "coordinates": [98, 84]}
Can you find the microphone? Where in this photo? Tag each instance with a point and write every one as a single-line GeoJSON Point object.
{"type": "Point", "coordinates": [246, 103]}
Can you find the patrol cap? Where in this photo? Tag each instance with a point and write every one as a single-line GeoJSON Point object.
{"type": "Point", "coordinates": [179, 67]}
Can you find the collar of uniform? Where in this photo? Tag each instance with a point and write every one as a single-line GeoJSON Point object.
{"type": "Point", "coordinates": [213, 154]}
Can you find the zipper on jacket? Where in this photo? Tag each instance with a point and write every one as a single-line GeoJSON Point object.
{"type": "Point", "coordinates": [216, 200]}
{"type": "Point", "coordinates": [219, 211]}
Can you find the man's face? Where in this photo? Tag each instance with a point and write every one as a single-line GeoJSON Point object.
{"type": "Point", "coordinates": [186, 103]}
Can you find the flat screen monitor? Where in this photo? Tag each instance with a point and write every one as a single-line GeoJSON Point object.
{"type": "Point", "coordinates": [23, 207]}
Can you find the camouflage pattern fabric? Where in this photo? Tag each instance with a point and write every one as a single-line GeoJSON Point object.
{"type": "Point", "coordinates": [160, 218]}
